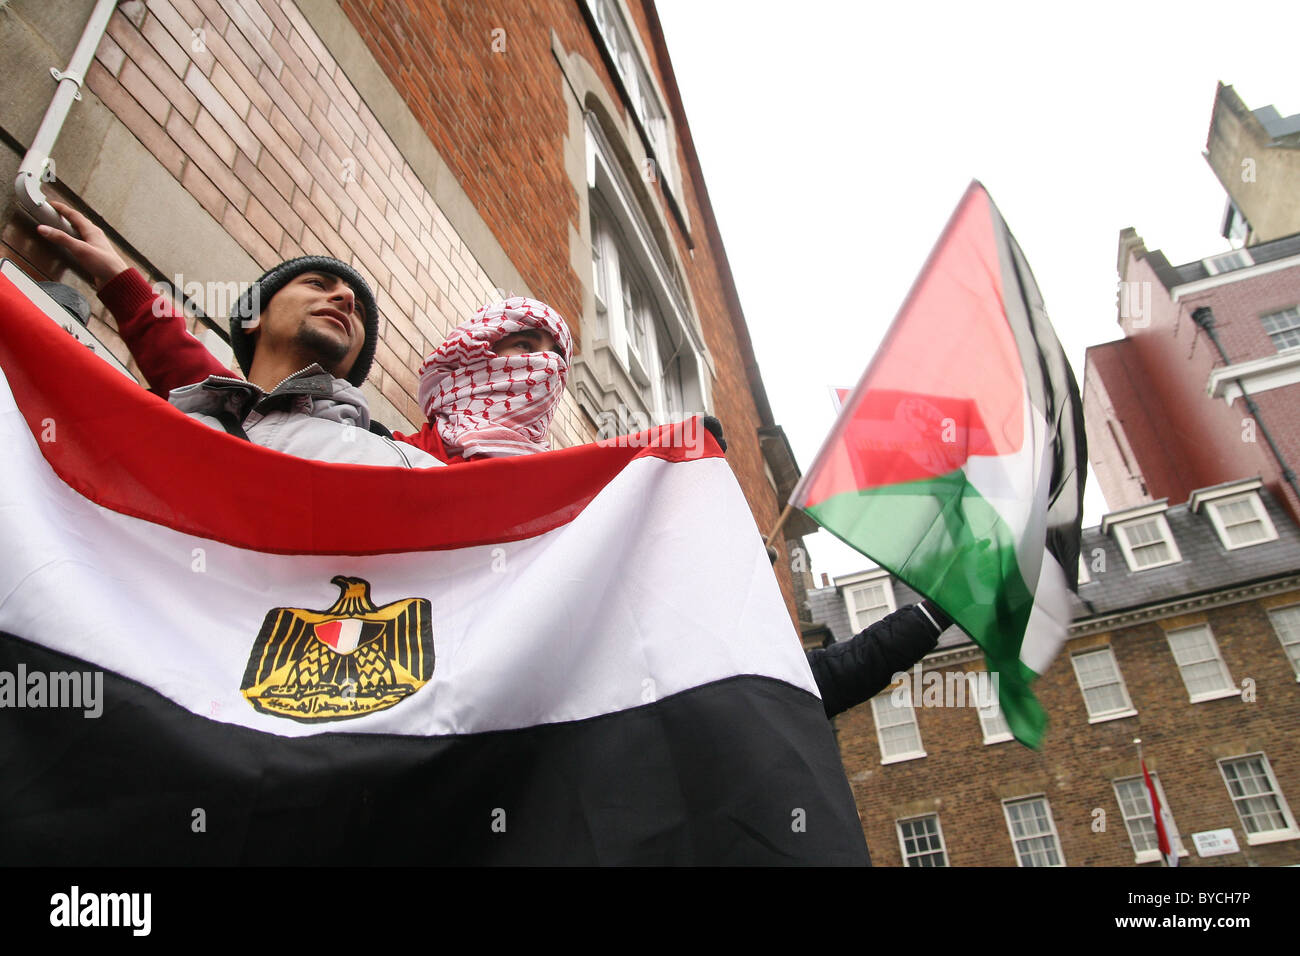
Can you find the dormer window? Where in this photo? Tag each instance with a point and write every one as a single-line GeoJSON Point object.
{"type": "Point", "coordinates": [1236, 512]}
{"type": "Point", "coordinates": [1143, 535]}
{"type": "Point", "coordinates": [869, 597]}
{"type": "Point", "coordinates": [1237, 259]}
{"type": "Point", "coordinates": [1148, 543]}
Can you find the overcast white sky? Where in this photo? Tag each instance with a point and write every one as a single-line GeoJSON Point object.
{"type": "Point", "coordinates": [837, 137]}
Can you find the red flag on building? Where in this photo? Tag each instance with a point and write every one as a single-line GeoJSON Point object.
{"type": "Point", "coordinates": [1163, 824]}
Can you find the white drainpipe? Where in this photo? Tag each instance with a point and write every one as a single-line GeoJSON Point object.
{"type": "Point", "coordinates": [28, 184]}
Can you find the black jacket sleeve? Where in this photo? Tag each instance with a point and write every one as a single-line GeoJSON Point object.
{"type": "Point", "coordinates": [849, 672]}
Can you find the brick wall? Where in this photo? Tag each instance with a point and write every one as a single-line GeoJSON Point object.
{"type": "Point", "coordinates": [242, 103]}
{"type": "Point", "coordinates": [1237, 309]}
{"type": "Point", "coordinates": [965, 781]}
{"type": "Point", "coordinates": [1194, 441]}
{"type": "Point", "coordinates": [1122, 418]}
{"type": "Point", "coordinates": [497, 117]}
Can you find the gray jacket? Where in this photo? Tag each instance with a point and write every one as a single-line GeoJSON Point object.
{"type": "Point", "coordinates": [310, 414]}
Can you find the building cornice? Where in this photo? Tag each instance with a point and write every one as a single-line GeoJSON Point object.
{"type": "Point", "coordinates": [1195, 602]}
{"type": "Point", "coordinates": [962, 653]}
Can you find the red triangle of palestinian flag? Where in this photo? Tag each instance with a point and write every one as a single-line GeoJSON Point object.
{"type": "Point", "coordinates": [957, 462]}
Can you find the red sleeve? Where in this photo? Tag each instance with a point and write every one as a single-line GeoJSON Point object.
{"type": "Point", "coordinates": [155, 331]}
{"type": "Point", "coordinates": [428, 439]}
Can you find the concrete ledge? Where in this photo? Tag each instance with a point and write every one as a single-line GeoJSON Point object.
{"type": "Point", "coordinates": [101, 162]}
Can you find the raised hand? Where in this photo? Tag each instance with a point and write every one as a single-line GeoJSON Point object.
{"type": "Point", "coordinates": [92, 252]}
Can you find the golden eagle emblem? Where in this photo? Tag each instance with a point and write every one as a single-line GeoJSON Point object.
{"type": "Point", "coordinates": [350, 660]}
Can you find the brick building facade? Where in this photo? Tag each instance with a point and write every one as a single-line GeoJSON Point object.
{"type": "Point", "coordinates": [1195, 650]}
{"type": "Point", "coordinates": [454, 153]}
{"type": "Point", "coordinates": [1165, 412]}
{"type": "Point", "coordinates": [1205, 385]}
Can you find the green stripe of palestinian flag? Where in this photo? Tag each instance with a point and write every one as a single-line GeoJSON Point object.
{"type": "Point", "coordinates": [956, 462]}
{"type": "Point", "coordinates": [961, 527]}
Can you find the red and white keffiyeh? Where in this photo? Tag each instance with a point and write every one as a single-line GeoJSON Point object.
{"type": "Point", "coordinates": [487, 404]}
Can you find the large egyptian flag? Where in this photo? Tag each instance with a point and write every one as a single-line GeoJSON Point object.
{"type": "Point", "coordinates": [215, 653]}
{"type": "Point", "coordinates": [958, 460]}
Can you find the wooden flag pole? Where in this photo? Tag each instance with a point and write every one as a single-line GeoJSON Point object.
{"type": "Point", "coordinates": [779, 521]}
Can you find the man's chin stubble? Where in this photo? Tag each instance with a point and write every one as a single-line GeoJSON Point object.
{"type": "Point", "coordinates": [325, 348]}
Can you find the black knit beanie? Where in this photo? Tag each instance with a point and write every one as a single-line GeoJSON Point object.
{"type": "Point", "coordinates": [275, 279]}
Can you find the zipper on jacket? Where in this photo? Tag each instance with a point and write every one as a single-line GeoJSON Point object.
{"type": "Point", "coordinates": [264, 394]}
{"type": "Point", "coordinates": [236, 381]}
{"type": "Point", "coordinates": [294, 375]}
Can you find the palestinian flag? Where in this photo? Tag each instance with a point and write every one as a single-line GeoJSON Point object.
{"type": "Point", "coordinates": [958, 460]}
{"type": "Point", "coordinates": [214, 653]}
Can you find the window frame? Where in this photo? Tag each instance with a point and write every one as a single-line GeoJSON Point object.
{"type": "Point", "coordinates": [849, 586]}
{"type": "Point", "coordinates": [635, 310]}
{"type": "Point", "coordinates": [998, 736]}
{"type": "Point", "coordinates": [1228, 262]}
{"type": "Point", "coordinates": [1261, 515]}
{"type": "Point", "coordinates": [1231, 690]}
{"type": "Point", "coordinates": [885, 700]}
{"type": "Point", "coordinates": [1127, 710]}
{"type": "Point", "coordinates": [600, 266]}
{"type": "Point", "coordinates": [1121, 536]}
{"type": "Point", "coordinates": [938, 831]}
{"type": "Point", "coordinates": [632, 64]}
{"type": "Point", "coordinates": [1293, 660]}
{"type": "Point", "coordinates": [1290, 831]}
{"type": "Point", "coordinates": [1148, 856]}
{"type": "Point", "coordinates": [1051, 822]}
{"type": "Point", "coordinates": [1232, 216]}
{"type": "Point", "coordinates": [626, 246]}
{"type": "Point", "coordinates": [1293, 311]}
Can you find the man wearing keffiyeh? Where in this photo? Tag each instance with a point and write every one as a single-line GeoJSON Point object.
{"type": "Point", "coordinates": [491, 388]}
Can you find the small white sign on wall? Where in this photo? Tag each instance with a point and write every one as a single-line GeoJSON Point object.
{"type": "Point", "coordinates": [1215, 842]}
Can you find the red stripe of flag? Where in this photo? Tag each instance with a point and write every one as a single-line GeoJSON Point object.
{"type": "Point", "coordinates": [1162, 834]}
{"type": "Point", "coordinates": [110, 440]}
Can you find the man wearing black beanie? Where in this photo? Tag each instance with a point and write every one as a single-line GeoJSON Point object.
{"type": "Point", "coordinates": [344, 344]}
{"type": "Point", "coordinates": [304, 334]}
